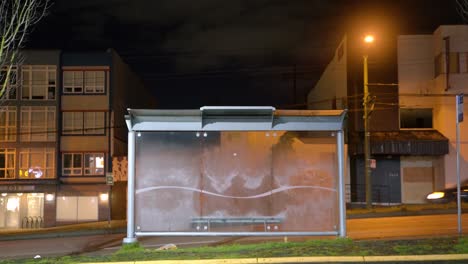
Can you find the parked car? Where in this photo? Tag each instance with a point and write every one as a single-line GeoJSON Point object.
{"type": "Point", "coordinates": [449, 194]}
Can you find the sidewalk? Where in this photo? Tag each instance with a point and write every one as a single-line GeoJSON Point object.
{"type": "Point", "coordinates": [93, 228]}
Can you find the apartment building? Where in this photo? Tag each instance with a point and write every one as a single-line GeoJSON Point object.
{"type": "Point", "coordinates": [61, 123]}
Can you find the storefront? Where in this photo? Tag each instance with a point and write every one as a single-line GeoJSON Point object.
{"type": "Point", "coordinates": [27, 206]}
{"type": "Point", "coordinates": [80, 203]}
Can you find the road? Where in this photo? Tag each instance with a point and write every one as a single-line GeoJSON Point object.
{"type": "Point", "coordinates": [406, 226]}
{"type": "Point", "coordinates": [365, 228]}
{"type": "Point", "coordinates": [55, 246]}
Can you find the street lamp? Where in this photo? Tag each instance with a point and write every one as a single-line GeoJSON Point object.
{"type": "Point", "coordinates": [368, 40]}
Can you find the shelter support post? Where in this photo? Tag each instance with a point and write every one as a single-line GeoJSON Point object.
{"type": "Point", "coordinates": [131, 191]}
{"type": "Point", "coordinates": [341, 184]}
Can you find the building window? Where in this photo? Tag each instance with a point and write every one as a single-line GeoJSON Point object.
{"type": "Point", "coordinates": [72, 82]}
{"type": "Point", "coordinates": [38, 82]}
{"type": "Point", "coordinates": [37, 163]}
{"type": "Point", "coordinates": [415, 118]}
{"type": "Point", "coordinates": [94, 164]}
{"type": "Point", "coordinates": [7, 163]}
{"type": "Point", "coordinates": [38, 123]}
{"type": "Point", "coordinates": [83, 123]}
{"type": "Point", "coordinates": [87, 82]}
{"type": "Point", "coordinates": [75, 165]}
{"type": "Point", "coordinates": [72, 123]}
{"type": "Point", "coordinates": [8, 123]}
{"type": "Point", "coordinates": [72, 164]}
{"type": "Point", "coordinates": [94, 82]}
{"type": "Point", "coordinates": [77, 208]}
{"type": "Point", "coordinates": [10, 72]}
{"type": "Point", "coordinates": [94, 123]}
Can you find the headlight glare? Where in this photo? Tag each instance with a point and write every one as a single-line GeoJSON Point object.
{"type": "Point", "coordinates": [436, 195]}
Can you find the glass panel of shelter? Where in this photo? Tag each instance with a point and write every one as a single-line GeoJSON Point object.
{"type": "Point", "coordinates": [236, 181]}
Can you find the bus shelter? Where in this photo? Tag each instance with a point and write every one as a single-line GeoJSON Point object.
{"type": "Point", "coordinates": [235, 171]}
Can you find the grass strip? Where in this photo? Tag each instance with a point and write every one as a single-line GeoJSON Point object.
{"type": "Point", "coordinates": [326, 247]}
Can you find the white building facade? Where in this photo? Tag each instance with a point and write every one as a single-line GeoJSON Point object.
{"type": "Point", "coordinates": [432, 70]}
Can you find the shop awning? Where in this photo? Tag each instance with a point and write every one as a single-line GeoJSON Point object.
{"type": "Point", "coordinates": [403, 142]}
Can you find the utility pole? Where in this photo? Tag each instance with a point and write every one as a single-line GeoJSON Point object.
{"type": "Point", "coordinates": [367, 169]}
{"type": "Point", "coordinates": [367, 152]}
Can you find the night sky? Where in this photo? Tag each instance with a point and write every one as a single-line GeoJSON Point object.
{"type": "Point", "coordinates": [192, 53]}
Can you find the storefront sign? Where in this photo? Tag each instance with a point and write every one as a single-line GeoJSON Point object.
{"type": "Point", "coordinates": [16, 188]}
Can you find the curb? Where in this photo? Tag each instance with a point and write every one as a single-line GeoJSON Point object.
{"type": "Point", "coordinates": [332, 259]}
{"type": "Point", "coordinates": [353, 215]}
{"type": "Point", "coordinates": [32, 235]}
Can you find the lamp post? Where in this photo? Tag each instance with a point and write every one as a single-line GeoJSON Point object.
{"type": "Point", "coordinates": [367, 155]}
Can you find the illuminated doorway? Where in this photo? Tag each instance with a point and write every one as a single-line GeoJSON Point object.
{"type": "Point", "coordinates": [18, 210]}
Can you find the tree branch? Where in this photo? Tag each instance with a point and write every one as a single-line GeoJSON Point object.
{"type": "Point", "coordinates": [17, 17]}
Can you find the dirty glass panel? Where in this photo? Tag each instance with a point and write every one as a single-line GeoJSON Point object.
{"type": "Point", "coordinates": [236, 182]}
{"type": "Point", "coordinates": [268, 182]}
{"type": "Point", "coordinates": [306, 176]}
{"type": "Point", "coordinates": [166, 180]}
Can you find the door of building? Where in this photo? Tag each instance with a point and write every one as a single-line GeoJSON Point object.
{"type": "Point", "coordinates": [10, 211]}
{"type": "Point", "coordinates": [386, 180]}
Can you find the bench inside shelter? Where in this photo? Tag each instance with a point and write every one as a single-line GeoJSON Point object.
{"type": "Point", "coordinates": [204, 224]}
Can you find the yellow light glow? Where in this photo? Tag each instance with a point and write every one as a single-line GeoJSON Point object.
{"type": "Point", "coordinates": [369, 39]}
{"type": "Point", "coordinates": [12, 204]}
{"type": "Point", "coordinates": [104, 196]}
{"type": "Point", "coordinates": [49, 197]}
{"type": "Point", "coordinates": [99, 162]}
{"type": "Point", "coordinates": [435, 195]}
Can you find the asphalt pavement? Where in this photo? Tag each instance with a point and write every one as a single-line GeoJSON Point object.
{"type": "Point", "coordinates": [106, 237]}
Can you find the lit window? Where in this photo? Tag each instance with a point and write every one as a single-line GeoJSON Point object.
{"type": "Point", "coordinates": [79, 123]}
{"type": "Point", "coordinates": [8, 123]}
{"type": "Point", "coordinates": [87, 82]}
{"type": "Point", "coordinates": [72, 82]}
{"type": "Point", "coordinates": [38, 123]}
{"type": "Point", "coordinates": [37, 163]}
{"type": "Point", "coordinates": [94, 81]}
{"type": "Point", "coordinates": [94, 123]}
{"type": "Point", "coordinates": [7, 163]}
{"type": "Point", "coordinates": [38, 82]}
{"type": "Point", "coordinates": [72, 123]}
{"type": "Point", "coordinates": [94, 164]}
{"type": "Point", "coordinates": [78, 164]}
{"type": "Point", "coordinates": [77, 208]}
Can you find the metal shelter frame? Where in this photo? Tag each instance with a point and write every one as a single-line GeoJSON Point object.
{"type": "Point", "coordinates": [233, 118]}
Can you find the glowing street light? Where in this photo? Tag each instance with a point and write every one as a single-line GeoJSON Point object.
{"type": "Point", "coordinates": [369, 39]}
